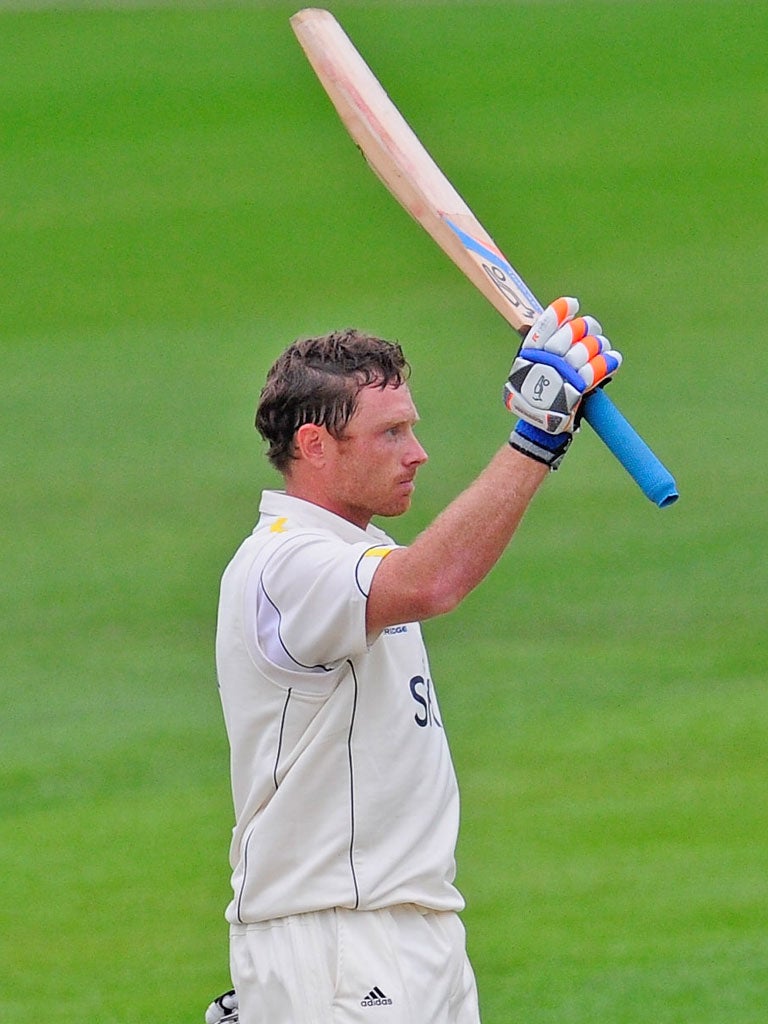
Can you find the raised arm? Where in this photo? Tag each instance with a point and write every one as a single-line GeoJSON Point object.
{"type": "Point", "coordinates": [563, 358]}
{"type": "Point", "coordinates": [457, 550]}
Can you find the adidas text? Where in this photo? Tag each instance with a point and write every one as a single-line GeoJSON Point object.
{"type": "Point", "coordinates": [376, 998]}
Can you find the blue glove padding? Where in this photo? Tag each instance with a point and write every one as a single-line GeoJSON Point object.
{"type": "Point", "coordinates": [537, 444]}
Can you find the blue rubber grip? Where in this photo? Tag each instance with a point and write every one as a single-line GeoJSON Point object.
{"type": "Point", "coordinates": [650, 474]}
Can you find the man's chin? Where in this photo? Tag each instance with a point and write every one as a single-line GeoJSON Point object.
{"type": "Point", "coordinates": [395, 508]}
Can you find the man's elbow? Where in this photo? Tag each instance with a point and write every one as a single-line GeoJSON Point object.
{"type": "Point", "coordinates": [438, 597]}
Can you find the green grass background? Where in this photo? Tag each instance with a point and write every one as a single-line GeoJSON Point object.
{"type": "Point", "coordinates": [177, 202]}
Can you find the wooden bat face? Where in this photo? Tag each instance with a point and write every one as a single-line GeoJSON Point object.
{"type": "Point", "coordinates": [402, 163]}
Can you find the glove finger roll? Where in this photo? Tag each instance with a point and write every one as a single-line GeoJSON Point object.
{"type": "Point", "coordinates": [582, 351]}
{"type": "Point", "coordinates": [584, 325]}
{"type": "Point", "coordinates": [554, 316]}
{"type": "Point", "coordinates": [600, 368]}
{"type": "Point", "coordinates": [571, 333]}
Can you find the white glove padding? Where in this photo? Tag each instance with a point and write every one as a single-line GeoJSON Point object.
{"type": "Point", "coordinates": [562, 358]}
{"type": "Point", "coordinates": [224, 1009]}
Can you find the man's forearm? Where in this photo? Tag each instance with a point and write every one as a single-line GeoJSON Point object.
{"type": "Point", "coordinates": [455, 552]}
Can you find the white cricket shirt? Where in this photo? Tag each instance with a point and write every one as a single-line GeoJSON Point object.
{"type": "Point", "coordinates": [343, 785]}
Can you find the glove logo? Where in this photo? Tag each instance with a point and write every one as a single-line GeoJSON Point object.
{"type": "Point", "coordinates": [538, 388]}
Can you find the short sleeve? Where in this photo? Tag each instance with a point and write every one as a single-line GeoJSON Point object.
{"type": "Point", "coordinates": [307, 600]}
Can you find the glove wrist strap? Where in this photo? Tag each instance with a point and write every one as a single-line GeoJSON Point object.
{"type": "Point", "coordinates": [536, 444]}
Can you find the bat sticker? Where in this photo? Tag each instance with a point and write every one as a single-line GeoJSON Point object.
{"type": "Point", "coordinates": [500, 271]}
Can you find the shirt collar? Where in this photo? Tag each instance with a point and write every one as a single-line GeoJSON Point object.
{"type": "Point", "coordinates": [302, 513]}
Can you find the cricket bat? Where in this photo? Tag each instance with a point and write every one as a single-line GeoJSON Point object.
{"type": "Point", "coordinates": [396, 155]}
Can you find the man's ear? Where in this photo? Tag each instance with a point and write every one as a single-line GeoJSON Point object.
{"type": "Point", "coordinates": [311, 441]}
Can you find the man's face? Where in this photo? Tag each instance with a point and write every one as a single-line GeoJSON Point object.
{"type": "Point", "coordinates": [374, 463]}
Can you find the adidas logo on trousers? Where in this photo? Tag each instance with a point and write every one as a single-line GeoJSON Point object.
{"type": "Point", "coordinates": [376, 998]}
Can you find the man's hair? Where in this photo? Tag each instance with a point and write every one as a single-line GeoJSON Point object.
{"type": "Point", "coordinates": [318, 380]}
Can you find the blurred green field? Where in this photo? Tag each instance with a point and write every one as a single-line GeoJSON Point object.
{"type": "Point", "coordinates": [177, 202]}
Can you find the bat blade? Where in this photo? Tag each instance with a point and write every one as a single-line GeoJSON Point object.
{"type": "Point", "coordinates": [399, 159]}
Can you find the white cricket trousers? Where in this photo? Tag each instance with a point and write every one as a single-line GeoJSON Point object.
{"type": "Point", "coordinates": [399, 965]}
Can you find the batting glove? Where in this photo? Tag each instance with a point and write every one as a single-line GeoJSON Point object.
{"type": "Point", "coordinates": [224, 1009]}
{"type": "Point", "coordinates": [562, 358]}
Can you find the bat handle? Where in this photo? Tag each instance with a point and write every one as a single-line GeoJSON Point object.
{"type": "Point", "coordinates": [650, 474]}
